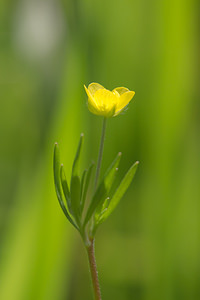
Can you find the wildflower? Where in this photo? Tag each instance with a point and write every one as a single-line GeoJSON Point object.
{"type": "Point", "coordinates": [107, 103]}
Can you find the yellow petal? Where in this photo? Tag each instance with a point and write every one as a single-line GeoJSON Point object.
{"type": "Point", "coordinates": [121, 90]}
{"type": "Point", "coordinates": [92, 109]}
{"type": "Point", "coordinates": [105, 98]}
{"type": "Point", "coordinates": [106, 102]}
{"type": "Point", "coordinates": [91, 101]}
{"type": "Point", "coordinates": [124, 99]}
{"type": "Point", "coordinates": [93, 87]}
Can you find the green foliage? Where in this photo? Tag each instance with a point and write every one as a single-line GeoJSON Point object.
{"type": "Point", "coordinates": [75, 197]}
{"type": "Point", "coordinates": [75, 186]}
{"type": "Point", "coordinates": [103, 189]}
{"type": "Point", "coordinates": [77, 158]}
{"type": "Point", "coordinates": [57, 181]}
{"type": "Point", "coordinates": [109, 205]}
{"type": "Point", "coordinates": [101, 205]}
{"type": "Point", "coordinates": [65, 187]}
{"type": "Point", "coordinates": [86, 179]}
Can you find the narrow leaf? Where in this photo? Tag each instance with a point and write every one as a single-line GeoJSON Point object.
{"type": "Point", "coordinates": [75, 197]}
{"type": "Point", "coordinates": [56, 168]}
{"type": "Point", "coordinates": [104, 188]}
{"type": "Point", "coordinates": [86, 186]}
{"type": "Point", "coordinates": [75, 184]}
{"type": "Point", "coordinates": [125, 183]}
{"type": "Point", "coordinates": [76, 160]}
{"type": "Point", "coordinates": [101, 209]}
{"type": "Point", "coordinates": [83, 179]}
{"type": "Point", "coordinates": [65, 187]}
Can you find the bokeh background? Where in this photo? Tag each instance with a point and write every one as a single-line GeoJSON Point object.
{"type": "Point", "coordinates": [149, 248]}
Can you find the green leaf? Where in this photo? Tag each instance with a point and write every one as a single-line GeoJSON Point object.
{"type": "Point", "coordinates": [102, 191]}
{"type": "Point", "coordinates": [83, 179]}
{"type": "Point", "coordinates": [86, 185]}
{"type": "Point", "coordinates": [101, 209]}
{"type": "Point", "coordinates": [77, 157]}
{"type": "Point", "coordinates": [65, 187]}
{"type": "Point", "coordinates": [56, 168]}
{"type": "Point", "coordinates": [75, 197]}
{"type": "Point", "coordinates": [75, 185]}
{"type": "Point", "coordinates": [125, 183]}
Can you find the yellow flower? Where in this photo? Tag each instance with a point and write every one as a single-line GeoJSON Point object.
{"type": "Point", "coordinates": [107, 103]}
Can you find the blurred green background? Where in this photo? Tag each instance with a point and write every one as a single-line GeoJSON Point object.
{"type": "Point", "coordinates": [149, 248]}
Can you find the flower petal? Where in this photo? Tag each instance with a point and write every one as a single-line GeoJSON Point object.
{"type": "Point", "coordinates": [124, 99]}
{"type": "Point", "coordinates": [106, 101]}
{"type": "Point", "coordinates": [105, 98]}
{"type": "Point", "coordinates": [91, 102]}
{"type": "Point", "coordinates": [93, 87]}
{"type": "Point", "coordinates": [121, 90]}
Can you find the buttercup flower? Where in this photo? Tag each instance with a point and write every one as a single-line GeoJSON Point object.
{"type": "Point", "coordinates": [107, 103]}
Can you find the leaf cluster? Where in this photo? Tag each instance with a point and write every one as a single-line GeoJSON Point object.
{"type": "Point", "coordinates": [73, 198]}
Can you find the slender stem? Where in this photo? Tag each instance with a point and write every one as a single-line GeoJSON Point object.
{"type": "Point", "coordinates": [93, 269]}
{"type": "Point", "coordinates": [100, 153]}
{"type": "Point", "coordinates": [90, 247]}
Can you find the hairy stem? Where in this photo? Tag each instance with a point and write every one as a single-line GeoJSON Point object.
{"type": "Point", "coordinates": [100, 153]}
{"type": "Point", "coordinates": [93, 270]}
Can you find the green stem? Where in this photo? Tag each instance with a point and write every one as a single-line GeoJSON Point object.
{"type": "Point", "coordinates": [90, 247]}
{"type": "Point", "coordinates": [100, 153]}
{"type": "Point", "coordinates": [93, 270]}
